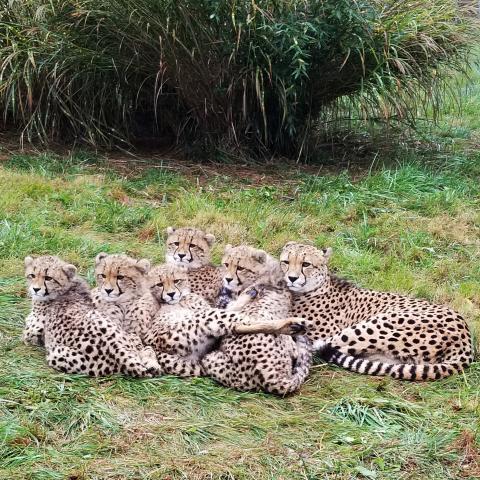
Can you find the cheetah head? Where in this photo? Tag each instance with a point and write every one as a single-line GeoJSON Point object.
{"type": "Point", "coordinates": [119, 277]}
{"type": "Point", "coordinates": [48, 277]}
{"type": "Point", "coordinates": [189, 246]}
{"type": "Point", "coordinates": [305, 267]}
{"type": "Point", "coordinates": [243, 265]}
{"type": "Point", "coordinates": [168, 283]}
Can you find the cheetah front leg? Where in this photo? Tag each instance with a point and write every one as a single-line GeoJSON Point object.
{"type": "Point", "coordinates": [138, 319]}
{"type": "Point", "coordinates": [245, 297]}
{"type": "Point", "coordinates": [139, 363]}
{"type": "Point", "coordinates": [281, 326]}
{"type": "Point", "coordinates": [33, 333]}
{"type": "Point", "coordinates": [233, 323]}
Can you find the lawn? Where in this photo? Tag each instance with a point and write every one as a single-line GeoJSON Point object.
{"type": "Point", "coordinates": [408, 222]}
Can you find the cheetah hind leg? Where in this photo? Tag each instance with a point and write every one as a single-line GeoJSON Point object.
{"type": "Point", "coordinates": [66, 359]}
{"type": "Point", "coordinates": [179, 366]}
{"type": "Point", "coordinates": [219, 367]}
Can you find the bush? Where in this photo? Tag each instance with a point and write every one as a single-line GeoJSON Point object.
{"type": "Point", "coordinates": [238, 74]}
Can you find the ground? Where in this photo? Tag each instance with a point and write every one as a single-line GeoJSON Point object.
{"type": "Point", "coordinates": [405, 220]}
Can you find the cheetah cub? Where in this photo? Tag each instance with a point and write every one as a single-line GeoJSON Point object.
{"type": "Point", "coordinates": [77, 338]}
{"type": "Point", "coordinates": [276, 364]}
{"type": "Point", "coordinates": [186, 328]}
{"type": "Point", "coordinates": [191, 247]}
{"type": "Point", "coordinates": [121, 292]}
{"type": "Point", "coordinates": [374, 333]}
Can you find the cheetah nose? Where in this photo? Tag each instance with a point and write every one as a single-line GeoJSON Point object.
{"type": "Point", "coordinates": [292, 279]}
{"type": "Point", "coordinates": [171, 294]}
{"type": "Point", "coordinates": [108, 290]}
{"type": "Point", "coordinates": [182, 255]}
{"type": "Point", "coordinates": [228, 279]}
{"type": "Point", "coordinates": [36, 289]}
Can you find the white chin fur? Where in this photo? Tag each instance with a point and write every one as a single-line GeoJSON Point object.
{"type": "Point", "coordinates": [172, 302]}
{"type": "Point", "coordinates": [186, 263]}
{"type": "Point", "coordinates": [41, 298]}
{"type": "Point", "coordinates": [111, 298]}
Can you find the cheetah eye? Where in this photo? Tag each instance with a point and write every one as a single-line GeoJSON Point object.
{"type": "Point", "coordinates": [160, 285]}
{"type": "Point", "coordinates": [306, 264]}
{"type": "Point", "coordinates": [48, 279]}
{"type": "Point", "coordinates": [240, 269]}
{"type": "Point", "coordinates": [226, 265]}
{"type": "Point", "coordinates": [176, 282]}
{"type": "Point", "coordinates": [176, 243]}
{"type": "Point", "coordinates": [102, 275]}
{"type": "Point", "coordinates": [192, 245]}
{"type": "Point", "coordinates": [286, 262]}
{"type": "Point", "coordinates": [31, 275]}
{"type": "Point", "coordinates": [120, 277]}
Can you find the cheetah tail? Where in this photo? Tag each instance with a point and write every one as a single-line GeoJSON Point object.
{"type": "Point", "coordinates": [433, 371]}
{"type": "Point", "coordinates": [300, 370]}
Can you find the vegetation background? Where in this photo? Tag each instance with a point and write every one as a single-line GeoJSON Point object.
{"type": "Point", "coordinates": [400, 207]}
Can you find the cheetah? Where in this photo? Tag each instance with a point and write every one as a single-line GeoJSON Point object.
{"type": "Point", "coordinates": [121, 292]}
{"type": "Point", "coordinates": [276, 364]}
{"type": "Point", "coordinates": [186, 327]}
{"type": "Point", "coordinates": [119, 283]}
{"type": "Point", "coordinates": [369, 332]}
{"type": "Point", "coordinates": [191, 247]}
{"type": "Point", "coordinates": [77, 338]}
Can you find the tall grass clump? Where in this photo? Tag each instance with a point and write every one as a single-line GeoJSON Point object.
{"type": "Point", "coordinates": [240, 75]}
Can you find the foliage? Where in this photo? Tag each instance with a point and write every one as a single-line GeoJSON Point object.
{"type": "Point", "coordinates": [249, 75]}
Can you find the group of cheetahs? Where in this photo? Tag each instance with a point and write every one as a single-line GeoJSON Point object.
{"type": "Point", "coordinates": [253, 323]}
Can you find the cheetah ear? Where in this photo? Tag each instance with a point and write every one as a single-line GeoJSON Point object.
{"type": "Point", "coordinates": [210, 239]}
{"type": "Point", "coordinates": [170, 230]}
{"type": "Point", "coordinates": [228, 247]}
{"type": "Point", "coordinates": [288, 244]}
{"type": "Point", "coordinates": [260, 256]}
{"type": "Point", "coordinates": [143, 265]}
{"type": "Point", "coordinates": [28, 261]}
{"type": "Point", "coordinates": [327, 253]}
{"type": "Point", "coordinates": [100, 257]}
{"type": "Point", "coordinates": [70, 270]}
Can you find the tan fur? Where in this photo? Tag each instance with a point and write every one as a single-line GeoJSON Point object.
{"type": "Point", "coordinates": [244, 265]}
{"type": "Point", "coordinates": [354, 327]}
{"type": "Point", "coordinates": [183, 327]}
{"type": "Point", "coordinates": [77, 338]}
{"type": "Point", "coordinates": [191, 248]}
{"type": "Point", "coordinates": [272, 363]}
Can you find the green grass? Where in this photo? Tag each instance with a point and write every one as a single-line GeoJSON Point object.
{"type": "Point", "coordinates": [411, 224]}
{"type": "Point", "coordinates": [223, 78]}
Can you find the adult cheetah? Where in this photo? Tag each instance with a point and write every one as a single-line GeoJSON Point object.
{"type": "Point", "coordinates": [375, 333]}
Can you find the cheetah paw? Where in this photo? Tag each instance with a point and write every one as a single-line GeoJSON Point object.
{"type": "Point", "coordinates": [149, 359]}
{"type": "Point", "coordinates": [293, 326]}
